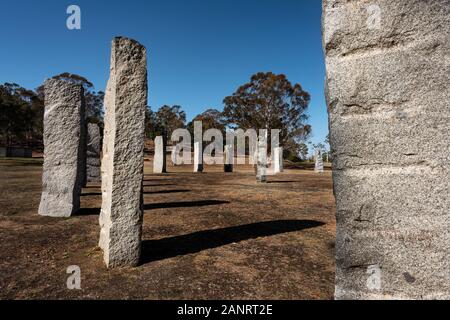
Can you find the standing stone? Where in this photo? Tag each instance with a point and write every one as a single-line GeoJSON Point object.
{"type": "Point", "coordinates": [64, 140]}
{"type": "Point", "coordinates": [198, 157]}
{"type": "Point", "coordinates": [93, 153]}
{"type": "Point", "coordinates": [319, 161]}
{"type": "Point", "coordinates": [388, 102]}
{"type": "Point", "coordinates": [261, 164]}
{"type": "Point", "coordinates": [159, 160]}
{"type": "Point", "coordinates": [229, 157]}
{"type": "Point", "coordinates": [281, 158]}
{"type": "Point", "coordinates": [123, 154]}
{"type": "Point", "coordinates": [83, 162]}
{"type": "Point", "coordinates": [278, 160]}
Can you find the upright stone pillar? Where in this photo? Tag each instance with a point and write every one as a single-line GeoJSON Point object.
{"type": "Point", "coordinates": [261, 164]}
{"type": "Point", "coordinates": [64, 140]}
{"type": "Point", "coordinates": [83, 163]}
{"type": "Point", "coordinates": [198, 157]}
{"type": "Point", "coordinates": [93, 153]}
{"type": "Point", "coordinates": [281, 158]}
{"type": "Point", "coordinates": [388, 76]}
{"type": "Point", "coordinates": [229, 158]}
{"type": "Point", "coordinates": [277, 160]}
{"type": "Point", "coordinates": [123, 154]}
{"type": "Point", "coordinates": [318, 157]}
{"type": "Point", "coordinates": [159, 160]}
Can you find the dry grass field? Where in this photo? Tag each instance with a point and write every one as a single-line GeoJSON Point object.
{"type": "Point", "coordinates": [205, 236]}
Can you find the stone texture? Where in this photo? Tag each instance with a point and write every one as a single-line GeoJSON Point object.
{"type": "Point", "coordinates": [123, 154]}
{"type": "Point", "coordinates": [229, 157]}
{"type": "Point", "coordinates": [198, 157]}
{"type": "Point", "coordinates": [159, 160]}
{"type": "Point", "coordinates": [261, 164]}
{"type": "Point", "coordinates": [64, 148]}
{"type": "Point", "coordinates": [83, 161]}
{"type": "Point", "coordinates": [278, 160]}
{"type": "Point", "coordinates": [318, 157]}
{"type": "Point", "coordinates": [388, 103]}
{"type": "Point", "coordinates": [93, 153]}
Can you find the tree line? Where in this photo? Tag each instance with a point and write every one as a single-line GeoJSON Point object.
{"type": "Point", "coordinates": [22, 112]}
{"type": "Point", "coordinates": [267, 101]}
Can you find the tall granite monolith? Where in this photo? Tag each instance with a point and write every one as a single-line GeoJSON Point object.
{"type": "Point", "coordinates": [123, 154]}
{"type": "Point", "coordinates": [93, 153]}
{"type": "Point", "coordinates": [261, 157]}
{"type": "Point", "coordinates": [159, 159]}
{"type": "Point", "coordinates": [229, 158]}
{"type": "Point", "coordinates": [318, 158]}
{"type": "Point", "coordinates": [64, 148]}
{"type": "Point", "coordinates": [388, 93]}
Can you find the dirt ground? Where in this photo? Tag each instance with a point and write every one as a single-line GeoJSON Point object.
{"type": "Point", "coordinates": [213, 235]}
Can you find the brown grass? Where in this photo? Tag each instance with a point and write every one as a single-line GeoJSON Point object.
{"type": "Point", "coordinates": [206, 236]}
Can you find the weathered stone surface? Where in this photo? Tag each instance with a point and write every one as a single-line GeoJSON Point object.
{"type": "Point", "coordinates": [159, 160]}
{"type": "Point", "coordinates": [64, 140]}
{"type": "Point", "coordinates": [261, 165]}
{"type": "Point", "coordinates": [229, 158]}
{"type": "Point", "coordinates": [388, 99]}
{"type": "Point", "coordinates": [123, 154]}
{"type": "Point", "coordinates": [278, 160]}
{"type": "Point", "coordinates": [318, 156]}
{"type": "Point", "coordinates": [93, 153]}
{"type": "Point", "coordinates": [198, 157]}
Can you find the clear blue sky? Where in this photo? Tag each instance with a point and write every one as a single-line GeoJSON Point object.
{"type": "Point", "coordinates": [199, 51]}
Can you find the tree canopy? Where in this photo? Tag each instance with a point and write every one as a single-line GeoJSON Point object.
{"type": "Point", "coordinates": [22, 111]}
{"type": "Point", "coordinates": [211, 119]}
{"type": "Point", "coordinates": [270, 101]}
{"type": "Point", "coordinates": [21, 114]}
{"type": "Point", "coordinates": [164, 121]}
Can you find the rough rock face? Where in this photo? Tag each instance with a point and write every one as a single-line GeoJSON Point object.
{"type": "Point", "coordinates": [388, 99]}
{"type": "Point", "coordinates": [229, 157]}
{"type": "Point", "coordinates": [64, 140]}
{"type": "Point", "coordinates": [123, 154]}
{"type": "Point", "coordinates": [198, 157]}
{"type": "Point", "coordinates": [159, 160]}
{"type": "Point", "coordinates": [318, 161]}
{"type": "Point", "coordinates": [93, 153]}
